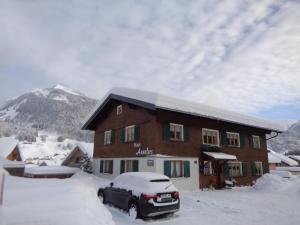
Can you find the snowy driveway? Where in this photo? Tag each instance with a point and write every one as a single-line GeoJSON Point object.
{"type": "Point", "coordinates": [272, 201]}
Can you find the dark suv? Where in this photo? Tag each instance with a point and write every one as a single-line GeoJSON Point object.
{"type": "Point", "coordinates": [142, 194]}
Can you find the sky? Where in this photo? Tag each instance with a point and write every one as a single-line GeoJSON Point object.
{"type": "Point", "coordinates": [237, 55]}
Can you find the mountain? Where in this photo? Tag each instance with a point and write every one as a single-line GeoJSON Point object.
{"type": "Point", "coordinates": [288, 141]}
{"type": "Point", "coordinates": [57, 110]}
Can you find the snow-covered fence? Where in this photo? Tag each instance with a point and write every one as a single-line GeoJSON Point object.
{"type": "Point", "coordinates": [2, 179]}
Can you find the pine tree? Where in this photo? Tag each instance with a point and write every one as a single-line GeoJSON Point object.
{"type": "Point", "coordinates": [85, 163]}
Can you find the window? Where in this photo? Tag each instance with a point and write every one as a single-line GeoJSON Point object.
{"type": "Point", "coordinates": [210, 137]}
{"type": "Point", "coordinates": [233, 139]}
{"type": "Point", "coordinates": [106, 166]}
{"type": "Point", "coordinates": [258, 168]}
{"type": "Point", "coordinates": [119, 109]}
{"type": "Point", "coordinates": [129, 166]}
{"type": "Point", "coordinates": [129, 133]}
{"type": "Point", "coordinates": [107, 137]}
{"type": "Point", "coordinates": [235, 169]}
{"type": "Point", "coordinates": [176, 132]}
{"type": "Point", "coordinates": [177, 168]}
{"type": "Point", "coordinates": [256, 141]}
{"type": "Point", "coordinates": [208, 168]}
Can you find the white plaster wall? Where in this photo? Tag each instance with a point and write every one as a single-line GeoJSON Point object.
{"type": "Point", "coordinates": [182, 183]}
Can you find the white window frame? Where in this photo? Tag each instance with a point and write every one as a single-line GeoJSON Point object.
{"type": "Point", "coordinates": [129, 138]}
{"type": "Point", "coordinates": [119, 110]}
{"type": "Point", "coordinates": [106, 164]}
{"type": "Point", "coordinates": [261, 168]}
{"type": "Point", "coordinates": [210, 168]}
{"type": "Point", "coordinates": [232, 173]}
{"type": "Point", "coordinates": [238, 138]}
{"type": "Point", "coordinates": [211, 130]}
{"type": "Point", "coordinates": [181, 131]}
{"type": "Point", "coordinates": [256, 136]}
{"type": "Point", "coordinates": [107, 137]}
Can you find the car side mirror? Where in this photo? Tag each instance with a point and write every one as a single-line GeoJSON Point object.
{"type": "Point", "coordinates": [111, 184]}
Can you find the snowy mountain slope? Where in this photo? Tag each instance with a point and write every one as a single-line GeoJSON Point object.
{"type": "Point", "coordinates": [57, 109]}
{"type": "Point", "coordinates": [288, 141]}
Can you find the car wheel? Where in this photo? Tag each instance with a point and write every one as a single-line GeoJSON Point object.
{"type": "Point", "coordinates": [101, 196]}
{"type": "Point", "coordinates": [133, 211]}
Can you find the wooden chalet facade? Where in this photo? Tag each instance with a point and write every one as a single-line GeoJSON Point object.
{"type": "Point", "coordinates": [132, 125]}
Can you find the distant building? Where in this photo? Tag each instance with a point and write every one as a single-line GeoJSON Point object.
{"type": "Point", "coordinates": [34, 171]}
{"type": "Point", "coordinates": [194, 144]}
{"type": "Point", "coordinates": [10, 157]}
{"type": "Point", "coordinates": [295, 157]}
{"type": "Point", "coordinates": [279, 160]}
{"type": "Point", "coordinates": [74, 157]}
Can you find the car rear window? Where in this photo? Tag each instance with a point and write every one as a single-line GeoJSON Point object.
{"type": "Point", "coordinates": [160, 180]}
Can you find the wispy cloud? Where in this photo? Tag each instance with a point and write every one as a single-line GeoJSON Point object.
{"type": "Point", "coordinates": [241, 55]}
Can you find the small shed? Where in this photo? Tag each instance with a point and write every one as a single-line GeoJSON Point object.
{"type": "Point", "coordinates": [34, 171]}
{"type": "Point", "coordinates": [74, 157]}
{"type": "Point", "coordinates": [10, 157]}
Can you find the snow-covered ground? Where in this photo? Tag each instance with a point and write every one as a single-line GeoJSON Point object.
{"type": "Point", "coordinates": [272, 201]}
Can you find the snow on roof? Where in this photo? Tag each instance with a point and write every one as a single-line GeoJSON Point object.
{"type": "Point", "coordinates": [289, 168]}
{"type": "Point", "coordinates": [273, 159]}
{"type": "Point", "coordinates": [5, 163]}
{"type": "Point", "coordinates": [284, 158]}
{"type": "Point", "coordinates": [35, 170]}
{"type": "Point", "coordinates": [220, 155]}
{"type": "Point", "coordinates": [158, 101]}
{"type": "Point", "coordinates": [7, 145]}
{"type": "Point", "coordinates": [295, 157]}
{"type": "Point", "coordinates": [84, 147]}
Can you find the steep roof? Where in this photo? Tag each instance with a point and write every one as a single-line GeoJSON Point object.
{"type": "Point", "coordinates": [284, 158]}
{"type": "Point", "coordinates": [5, 163]}
{"type": "Point", "coordinates": [153, 101]}
{"type": "Point", "coordinates": [84, 147]}
{"type": "Point", "coordinates": [7, 145]}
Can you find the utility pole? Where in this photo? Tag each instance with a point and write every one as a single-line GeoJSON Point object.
{"type": "Point", "coordinates": [2, 179]}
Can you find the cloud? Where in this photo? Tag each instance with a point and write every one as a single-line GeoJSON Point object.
{"type": "Point", "coordinates": [240, 55]}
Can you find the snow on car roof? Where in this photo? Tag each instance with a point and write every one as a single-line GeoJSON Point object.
{"type": "Point", "coordinates": [7, 144]}
{"type": "Point", "coordinates": [147, 176]}
{"type": "Point", "coordinates": [158, 101]}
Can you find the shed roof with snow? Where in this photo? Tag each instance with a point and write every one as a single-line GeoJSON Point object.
{"type": "Point", "coordinates": [85, 148]}
{"type": "Point", "coordinates": [7, 145]}
{"type": "Point", "coordinates": [153, 101]}
{"type": "Point", "coordinates": [283, 158]}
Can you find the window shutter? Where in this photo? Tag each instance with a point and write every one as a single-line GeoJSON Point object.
{"type": "Point", "coordinates": [122, 166]}
{"type": "Point", "coordinates": [262, 142]}
{"type": "Point", "coordinates": [250, 141]}
{"type": "Point", "coordinates": [112, 136]}
{"type": "Point", "coordinates": [111, 166]}
{"type": "Point", "coordinates": [136, 133]}
{"type": "Point", "coordinates": [245, 168]}
{"type": "Point", "coordinates": [135, 165]}
{"type": "Point", "coordinates": [102, 138]}
{"type": "Point", "coordinates": [101, 166]}
{"type": "Point", "coordinates": [224, 139]}
{"type": "Point", "coordinates": [265, 168]}
{"type": "Point", "coordinates": [167, 168]}
{"type": "Point", "coordinates": [186, 133]}
{"type": "Point", "coordinates": [123, 135]}
{"type": "Point", "coordinates": [186, 171]}
{"type": "Point", "coordinates": [253, 169]}
{"type": "Point", "coordinates": [166, 131]}
{"type": "Point", "coordinates": [226, 169]}
{"type": "Point", "coordinates": [242, 143]}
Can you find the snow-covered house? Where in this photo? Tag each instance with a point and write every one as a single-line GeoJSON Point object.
{"type": "Point", "coordinates": [192, 143]}
{"type": "Point", "coordinates": [34, 171]}
{"type": "Point", "coordinates": [279, 160]}
{"type": "Point", "coordinates": [10, 157]}
{"type": "Point", "coordinates": [74, 157]}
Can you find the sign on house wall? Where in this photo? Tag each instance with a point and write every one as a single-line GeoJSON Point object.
{"type": "Point", "coordinates": [142, 152]}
